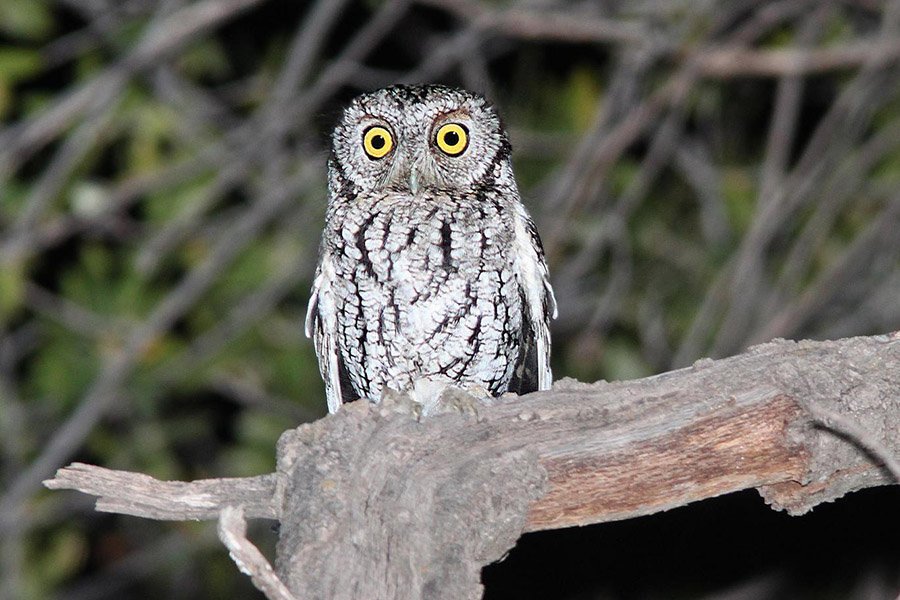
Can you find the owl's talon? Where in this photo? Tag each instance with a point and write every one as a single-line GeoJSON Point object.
{"type": "Point", "coordinates": [394, 402]}
{"type": "Point", "coordinates": [464, 401]}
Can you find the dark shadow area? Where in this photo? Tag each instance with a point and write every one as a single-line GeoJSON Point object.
{"type": "Point", "coordinates": [710, 548]}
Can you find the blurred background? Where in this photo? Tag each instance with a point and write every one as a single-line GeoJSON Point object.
{"type": "Point", "coordinates": [706, 175]}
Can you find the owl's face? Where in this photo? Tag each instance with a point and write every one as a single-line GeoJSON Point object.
{"type": "Point", "coordinates": [415, 138]}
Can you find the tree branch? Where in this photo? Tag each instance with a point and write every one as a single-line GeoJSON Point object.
{"type": "Point", "coordinates": [728, 62]}
{"type": "Point", "coordinates": [376, 502]}
{"type": "Point", "coordinates": [233, 533]}
{"type": "Point", "coordinates": [143, 496]}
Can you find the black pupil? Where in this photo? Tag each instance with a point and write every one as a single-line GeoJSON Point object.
{"type": "Point", "coordinates": [451, 138]}
{"type": "Point", "coordinates": [378, 141]}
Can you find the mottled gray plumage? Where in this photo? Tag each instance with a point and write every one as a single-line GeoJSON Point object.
{"type": "Point", "coordinates": [429, 265]}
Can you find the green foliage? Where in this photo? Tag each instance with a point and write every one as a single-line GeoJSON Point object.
{"type": "Point", "coordinates": [18, 63]}
{"type": "Point", "coordinates": [205, 59]}
{"type": "Point", "coordinates": [15, 64]}
{"type": "Point", "coordinates": [623, 361]}
{"type": "Point", "coordinates": [13, 279]}
{"type": "Point", "coordinates": [253, 452]}
{"type": "Point", "coordinates": [26, 19]}
{"type": "Point", "coordinates": [54, 561]}
{"type": "Point", "coordinates": [739, 194]}
{"type": "Point", "coordinates": [556, 104]}
{"type": "Point", "coordinates": [63, 369]}
{"type": "Point", "coordinates": [147, 127]}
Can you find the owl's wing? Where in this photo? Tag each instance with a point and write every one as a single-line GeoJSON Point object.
{"type": "Point", "coordinates": [533, 368]}
{"type": "Point", "coordinates": [321, 325]}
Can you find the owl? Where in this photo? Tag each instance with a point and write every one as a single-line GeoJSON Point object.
{"type": "Point", "coordinates": [429, 266]}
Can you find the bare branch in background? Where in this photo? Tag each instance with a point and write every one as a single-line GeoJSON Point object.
{"type": "Point", "coordinates": [741, 62]}
{"type": "Point", "coordinates": [22, 140]}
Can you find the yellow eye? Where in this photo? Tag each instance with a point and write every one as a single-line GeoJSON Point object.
{"type": "Point", "coordinates": [452, 139]}
{"type": "Point", "coordinates": [377, 141]}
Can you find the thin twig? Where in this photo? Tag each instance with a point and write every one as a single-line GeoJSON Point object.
{"type": "Point", "coordinates": [70, 314]}
{"type": "Point", "coordinates": [233, 533]}
{"type": "Point", "coordinates": [857, 434]}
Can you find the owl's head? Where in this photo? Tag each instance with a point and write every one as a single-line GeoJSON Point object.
{"type": "Point", "coordinates": [415, 138]}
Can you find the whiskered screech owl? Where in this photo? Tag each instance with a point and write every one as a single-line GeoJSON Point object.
{"type": "Point", "coordinates": [430, 266]}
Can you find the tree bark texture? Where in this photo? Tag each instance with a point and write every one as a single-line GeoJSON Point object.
{"type": "Point", "coordinates": [377, 502]}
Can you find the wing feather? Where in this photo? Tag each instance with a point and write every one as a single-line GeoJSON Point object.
{"type": "Point", "coordinates": [534, 280]}
{"type": "Point", "coordinates": [321, 325]}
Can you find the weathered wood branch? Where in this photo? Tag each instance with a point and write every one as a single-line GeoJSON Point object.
{"type": "Point", "coordinates": [376, 502]}
{"type": "Point", "coordinates": [143, 496]}
{"type": "Point", "coordinates": [233, 533]}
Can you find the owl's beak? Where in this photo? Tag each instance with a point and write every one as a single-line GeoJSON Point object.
{"type": "Point", "coordinates": [412, 174]}
{"type": "Point", "coordinates": [414, 178]}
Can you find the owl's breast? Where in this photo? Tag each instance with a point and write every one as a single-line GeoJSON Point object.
{"type": "Point", "coordinates": [425, 286]}
{"type": "Point", "coordinates": [403, 237]}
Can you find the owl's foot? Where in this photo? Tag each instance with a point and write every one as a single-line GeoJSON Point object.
{"type": "Point", "coordinates": [466, 401]}
{"type": "Point", "coordinates": [392, 401]}
{"type": "Point", "coordinates": [435, 395]}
